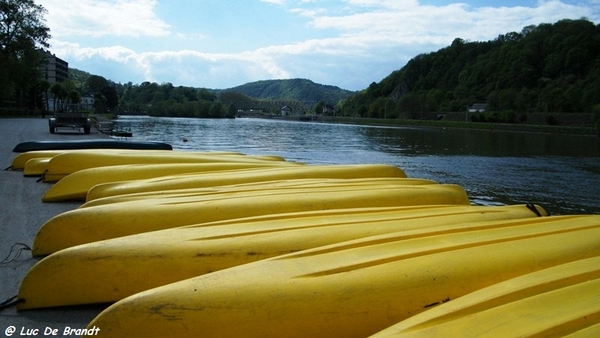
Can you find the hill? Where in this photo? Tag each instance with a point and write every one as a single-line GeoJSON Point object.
{"type": "Point", "coordinates": [292, 89]}
{"type": "Point", "coordinates": [549, 68]}
{"type": "Point", "coordinates": [136, 98]}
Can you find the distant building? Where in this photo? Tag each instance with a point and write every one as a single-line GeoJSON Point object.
{"type": "Point", "coordinates": [286, 111]}
{"type": "Point", "coordinates": [478, 108]}
{"type": "Point", "coordinates": [87, 102]}
{"type": "Point", "coordinates": [54, 70]}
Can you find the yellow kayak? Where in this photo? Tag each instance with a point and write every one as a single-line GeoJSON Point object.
{"type": "Point", "coordinates": [86, 225]}
{"type": "Point", "coordinates": [351, 289]}
{"type": "Point", "coordinates": [76, 185]}
{"type": "Point", "coordinates": [280, 185]}
{"type": "Point", "coordinates": [561, 301]}
{"type": "Point", "coordinates": [36, 166]}
{"type": "Point", "coordinates": [69, 162]}
{"type": "Point", "coordinates": [19, 161]}
{"type": "Point", "coordinates": [221, 179]}
{"type": "Point", "coordinates": [110, 270]}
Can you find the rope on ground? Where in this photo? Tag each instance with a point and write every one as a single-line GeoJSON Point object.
{"type": "Point", "coordinates": [43, 176]}
{"type": "Point", "coordinates": [15, 252]}
{"type": "Point", "coordinates": [532, 207]}
{"type": "Point", "coordinates": [9, 302]}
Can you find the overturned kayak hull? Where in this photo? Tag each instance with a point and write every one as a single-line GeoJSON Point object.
{"type": "Point", "coordinates": [36, 166]}
{"type": "Point", "coordinates": [280, 185]}
{"type": "Point", "coordinates": [19, 161]}
{"type": "Point", "coordinates": [559, 301]}
{"type": "Point", "coordinates": [351, 289]}
{"type": "Point", "coordinates": [89, 144]}
{"type": "Point", "coordinates": [86, 225]}
{"type": "Point", "coordinates": [76, 185]}
{"type": "Point", "coordinates": [69, 162]}
{"type": "Point", "coordinates": [110, 270]}
{"type": "Point", "coordinates": [263, 175]}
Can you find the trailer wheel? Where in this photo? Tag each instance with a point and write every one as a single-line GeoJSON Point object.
{"type": "Point", "coordinates": [52, 125]}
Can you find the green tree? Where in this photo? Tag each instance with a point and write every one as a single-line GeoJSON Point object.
{"type": "Point", "coordinates": [42, 94]}
{"type": "Point", "coordinates": [99, 103]}
{"type": "Point", "coordinates": [95, 83]}
{"type": "Point", "coordinates": [74, 97]}
{"type": "Point", "coordinates": [231, 110]}
{"type": "Point", "coordinates": [22, 33]}
{"type": "Point", "coordinates": [60, 93]}
{"type": "Point", "coordinates": [204, 94]}
{"type": "Point", "coordinates": [111, 96]}
{"type": "Point", "coordinates": [319, 107]}
{"type": "Point", "coordinates": [216, 110]}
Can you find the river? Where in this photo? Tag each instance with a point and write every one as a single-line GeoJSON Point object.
{"type": "Point", "coordinates": [560, 173]}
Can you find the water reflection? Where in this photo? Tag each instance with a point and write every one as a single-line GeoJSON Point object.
{"type": "Point", "coordinates": [448, 142]}
{"type": "Point", "coordinates": [562, 173]}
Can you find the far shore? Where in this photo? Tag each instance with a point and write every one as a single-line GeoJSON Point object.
{"type": "Point", "coordinates": [593, 131]}
{"type": "Point", "coordinates": [514, 127]}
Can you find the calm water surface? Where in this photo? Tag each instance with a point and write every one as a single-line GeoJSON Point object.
{"type": "Point", "coordinates": [561, 173]}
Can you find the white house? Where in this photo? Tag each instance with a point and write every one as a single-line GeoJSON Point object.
{"type": "Point", "coordinates": [478, 108]}
{"type": "Point", "coordinates": [87, 102]}
{"type": "Point", "coordinates": [286, 111]}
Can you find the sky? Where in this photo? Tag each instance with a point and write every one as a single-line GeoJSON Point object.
{"type": "Point", "coordinates": [220, 44]}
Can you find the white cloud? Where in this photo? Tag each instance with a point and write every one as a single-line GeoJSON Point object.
{"type": "Point", "coordinates": [184, 67]}
{"type": "Point", "coordinates": [351, 46]}
{"type": "Point", "coordinates": [390, 4]}
{"type": "Point", "coordinates": [96, 18]}
{"type": "Point", "coordinates": [274, 2]}
{"type": "Point", "coordinates": [406, 22]}
{"type": "Point", "coordinates": [190, 36]}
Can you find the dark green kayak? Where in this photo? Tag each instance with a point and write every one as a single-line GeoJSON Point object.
{"type": "Point", "coordinates": [89, 144]}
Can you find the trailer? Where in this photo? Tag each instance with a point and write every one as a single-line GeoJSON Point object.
{"type": "Point", "coordinates": [70, 120]}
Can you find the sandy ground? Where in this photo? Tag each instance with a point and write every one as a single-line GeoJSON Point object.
{"type": "Point", "coordinates": [21, 215]}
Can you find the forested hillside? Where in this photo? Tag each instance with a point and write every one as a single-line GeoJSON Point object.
{"type": "Point", "coordinates": [168, 100]}
{"type": "Point", "coordinates": [545, 69]}
{"type": "Point", "coordinates": [292, 89]}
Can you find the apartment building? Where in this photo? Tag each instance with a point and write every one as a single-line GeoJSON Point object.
{"type": "Point", "coordinates": [53, 70]}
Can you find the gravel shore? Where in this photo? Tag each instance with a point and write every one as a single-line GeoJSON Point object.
{"type": "Point", "coordinates": [22, 214]}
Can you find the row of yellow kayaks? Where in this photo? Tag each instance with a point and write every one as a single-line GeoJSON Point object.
{"type": "Point", "coordinates": [187, 244]}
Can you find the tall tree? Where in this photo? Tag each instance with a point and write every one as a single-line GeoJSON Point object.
{"type": "Point", "coordinates": [60, 93]}
{"type": "Point", "coordinates": [95, 83]}
{"type": "Point", "coordinates": [22, 33]}
{"type": "Point", "coordinates": [112, 98]}
{"type": "Point", "coordinates": [75, 98]}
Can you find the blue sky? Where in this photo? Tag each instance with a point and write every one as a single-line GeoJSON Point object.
{"type": "Point", "coordinates": [223, 44]}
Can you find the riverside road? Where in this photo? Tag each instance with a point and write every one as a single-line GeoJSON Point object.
{"type": "Point", "coordinates": [22, 214]}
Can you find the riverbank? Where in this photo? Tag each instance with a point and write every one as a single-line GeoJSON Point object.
{"type": "Point", "coordinates": [22, 215]}
{"type": "Point", "coordinates": [514, 127]}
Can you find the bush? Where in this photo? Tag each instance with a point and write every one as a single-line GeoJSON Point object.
{"type": "Point", "coordinates": [523, 118]}
{"type": "Point", "coordinates": [551, 120]}
{"type": "Point", "coordinates": [10, 112]}
{"type": "Point", "coordinates": [509, 116]}
{"type": "Point", "coordinates": [478, 117]}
